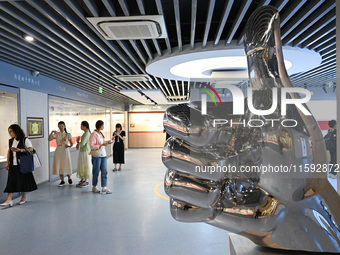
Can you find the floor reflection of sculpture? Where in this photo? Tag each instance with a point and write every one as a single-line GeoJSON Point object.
{"type": "Point", "coordinates": [253, 180]}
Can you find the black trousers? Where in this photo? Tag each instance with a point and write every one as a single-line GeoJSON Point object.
{"type": "Point", "coordinates": [333, 161]}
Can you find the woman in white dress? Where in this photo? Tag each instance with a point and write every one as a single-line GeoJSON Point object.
{"type": "Point", "coordinates": [62, 157]}
{"type": "Point", "coordinates": [84, 168]}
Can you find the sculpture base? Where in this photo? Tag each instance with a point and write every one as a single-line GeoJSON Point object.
{"type": "Point", "coordinates": [239, 245]}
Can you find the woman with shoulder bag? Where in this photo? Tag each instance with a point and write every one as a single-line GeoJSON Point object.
{"type": "Point", "coordinates": [17, 181]}
{"type": "Point", "coordinates": [99, 161]}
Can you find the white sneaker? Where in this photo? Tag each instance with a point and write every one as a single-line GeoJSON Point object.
{"type": "Point", "coordinates": [95, 189]}
{"type": "Point", "coordinates": [106, 191]}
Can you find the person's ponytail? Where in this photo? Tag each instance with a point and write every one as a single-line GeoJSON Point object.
{"type": "Point", "coordinates": [86, 124]}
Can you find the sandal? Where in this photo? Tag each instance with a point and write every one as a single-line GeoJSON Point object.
{"type": "Point", "coordinates": [84, 184]}
{"type": "Point", "coordinates": [79, 183]}
{"type": "Point", "coordinates": [106, 191]}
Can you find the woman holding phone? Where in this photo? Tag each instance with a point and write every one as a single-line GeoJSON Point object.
{"type": "Point", "coordinates": [17, 181]}
{"type": "Point", "coordinates": [62, 157]}
{"type": "Point", "coordinates": [99, 161]}
{"type": "Point", "coordinates": [118, 147]}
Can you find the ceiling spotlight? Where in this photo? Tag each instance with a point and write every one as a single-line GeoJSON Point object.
{"type": "Point", "coordinates": [29, 38]}
{"type": "Point", "coordinates": [35, 73]}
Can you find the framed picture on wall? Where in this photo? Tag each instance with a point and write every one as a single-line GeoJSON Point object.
{"type": "Point", "coordinates": [35, 127]}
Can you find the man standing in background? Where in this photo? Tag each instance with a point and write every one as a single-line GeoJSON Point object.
{"type": "Point", "coordinates": [330, 141]}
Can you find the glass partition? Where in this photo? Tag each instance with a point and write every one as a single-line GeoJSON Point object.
{"type": "Point", "coordinates": [73, 113]}
{"type": "Point", "coordinates": [8, 116]}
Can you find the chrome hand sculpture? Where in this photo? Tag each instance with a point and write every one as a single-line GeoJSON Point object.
{"type": "Point", "coordinates": [290, 206]}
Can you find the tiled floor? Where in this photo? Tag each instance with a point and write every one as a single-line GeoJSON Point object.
{"type": "Point", "coordinates": [132, 220]}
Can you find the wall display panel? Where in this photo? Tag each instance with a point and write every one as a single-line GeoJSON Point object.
{"type": "Point", "coordinates": [73, 113]}
{"type": "Point", "coordinates": [141, 121]}
{"type": "Point", "coordinates": [8, 116]}
{"type": "Point", "coordinates": [146, 129]}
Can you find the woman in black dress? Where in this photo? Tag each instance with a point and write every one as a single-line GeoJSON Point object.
{"type": "Point", "coordinates": [17, 181]}
{"type": "Point", "coordinates": [118, 147]}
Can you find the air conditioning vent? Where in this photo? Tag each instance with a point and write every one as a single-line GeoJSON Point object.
{"type": "Point", "coordinates": [131, 27]}
{"type": "Point", "coordinates": [131, 30]}
{"type": "Point", "coordinates": [128, 78]}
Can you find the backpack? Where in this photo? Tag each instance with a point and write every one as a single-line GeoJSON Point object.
{"type": "Point", "coordinates": [330, 140]}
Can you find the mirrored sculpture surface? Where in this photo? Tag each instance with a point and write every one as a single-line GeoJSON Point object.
{"type": "Point", "coordinates": [216, 173]}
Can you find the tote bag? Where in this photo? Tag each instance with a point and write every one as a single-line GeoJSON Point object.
{"type": "Point", "coordinates": [36, 160]}
{"type": "Point", "coordinates": [26, 162]}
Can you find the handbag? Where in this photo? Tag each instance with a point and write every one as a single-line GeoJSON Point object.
{"type": "Point", "coordinates": [29, 161]}
{"type": "Point", "coordinates": [26, 162]}
{"type": "Point", "coordinates": [96, 153]}
{"type": "Point", "coordinates": [36, 160]}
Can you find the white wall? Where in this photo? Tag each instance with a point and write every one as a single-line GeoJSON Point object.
{"type": "Point", "coordinates": [323, 110]}
{"type": "Point", "coordinates": [35, 104]}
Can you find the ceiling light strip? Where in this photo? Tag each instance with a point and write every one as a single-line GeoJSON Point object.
{"type": "Point", "coordinates": [280, 4]}
{"type": "Point", "coordinates": [171, 86]}
{"type": "Point", "coordinates": [309, 22]}
{"type": "Point", "coordinates": [298, 19]}
{"type": "Point", "coordinates": [109, 6]}
{"type": "Point", "coordinates": [178, 24]}
{"type": "Point", "coordinates": [160, 86]}
{"type": "Point", "coordinates": [166, 87]}
{"type": "Point", "coordinates": [240, 15]}
{"type": "Point", "coordinates": [292, 9]}
{"type": "Point", "coordinates": [193, 23]}
{"type": "Point", "coordinates": [223, 21]}
{"type": "Point", "coordinates": [83, 46]}
{"type": "Point", "coordinates": [50, 56]}
{"type": "Point", "coordinates": [44, 36]}
{"type": "Point", "coordinates": [183, 94]}
{"type": "Point", "coordinates": [208, 22]}
{"type": "Point", "coordinates": [160, 12]}
{"type": "Point", "coordinates": [177, 88]}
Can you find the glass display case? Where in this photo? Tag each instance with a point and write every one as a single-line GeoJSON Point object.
{"type": "Point", "coordinates": [8, 116]}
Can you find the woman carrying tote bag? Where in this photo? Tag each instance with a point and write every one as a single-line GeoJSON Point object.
{"type": "Point", "coordinates": [17, 181]}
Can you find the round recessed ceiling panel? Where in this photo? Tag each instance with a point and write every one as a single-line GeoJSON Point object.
{"type": "Point", "coordinates": [223, 62]}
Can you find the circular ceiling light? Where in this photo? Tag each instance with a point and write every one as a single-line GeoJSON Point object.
{"type": "Point", "coordinates": [28, 38]}
{"type": "Point", "coordinates": [201, 64]}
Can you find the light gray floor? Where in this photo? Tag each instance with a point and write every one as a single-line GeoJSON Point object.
{"type": "Point", "coordinates": [132, 220]}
